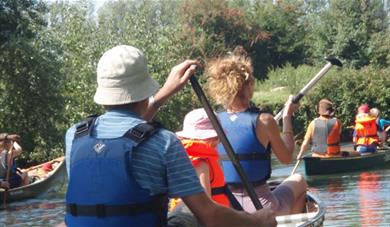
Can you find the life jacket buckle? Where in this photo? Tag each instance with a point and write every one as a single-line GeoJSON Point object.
{"type": "Point", "coordinates": [100, 210]}
{"type": "Point", "coordinates": [82, 128]}
{"type": "Point", "coordinates": [139, 134]}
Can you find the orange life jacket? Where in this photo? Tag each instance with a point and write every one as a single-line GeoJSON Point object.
{"type": "Point", "coordinates": [200, 151]}
{"type": "Point", "coordinates": [366, 132]}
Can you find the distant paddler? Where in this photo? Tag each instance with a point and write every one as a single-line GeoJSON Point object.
{"type": "Point", "coordinates": [323, 132]}
{"type": "Point", "coordinates": [10, 149]}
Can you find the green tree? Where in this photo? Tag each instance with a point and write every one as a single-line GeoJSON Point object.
{"type": "Point", "coordinates": [84, 36]}
{"type": "Point", "coordinates": [29, 77]}
{"type": "Point", "coordinates": [273, 35]}
{"type": "Point", "coordinates": [285, 28]}
{"type": "Point", "coordinates": [354, 30]}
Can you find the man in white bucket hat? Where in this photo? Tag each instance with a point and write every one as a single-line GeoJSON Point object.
{"type": "Point", "coordinates": [122, 169]}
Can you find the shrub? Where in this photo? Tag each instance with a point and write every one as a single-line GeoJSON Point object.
{"type": "Point", "coordinates": [347, 88]}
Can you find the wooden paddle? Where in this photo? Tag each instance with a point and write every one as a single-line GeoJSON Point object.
{"type": "Point", "coordinates": [225, 142]}
{"type": "Point", "coordinates": [8, 172]}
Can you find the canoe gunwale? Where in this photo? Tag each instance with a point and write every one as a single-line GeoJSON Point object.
{"type": "Point", "coordinates": [306, 220]}
{"type": "Point", "coordinates": [319, 218]}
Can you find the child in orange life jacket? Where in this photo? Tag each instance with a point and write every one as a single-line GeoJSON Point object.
{"type": "Point", "coordinates": [365, 135]}
{"type": "Point", "coordinates": [200, 140]}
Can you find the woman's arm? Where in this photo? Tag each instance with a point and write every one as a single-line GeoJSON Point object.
{"type": "Point", "coordinates": [267, 131]}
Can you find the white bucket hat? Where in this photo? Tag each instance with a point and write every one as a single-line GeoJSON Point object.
{"type": "Point", "coordinates": [123, 77]}
{"type": "Point", "coordinates": [197, 125]}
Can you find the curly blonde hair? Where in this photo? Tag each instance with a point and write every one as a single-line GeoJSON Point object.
{"type": "Point", "coordinates": [226, 77]}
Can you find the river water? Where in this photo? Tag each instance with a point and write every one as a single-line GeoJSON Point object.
{"type": "Point", "coordinates": [351, 199]}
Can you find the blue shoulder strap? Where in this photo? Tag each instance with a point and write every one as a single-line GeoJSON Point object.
{"type": "Point", "coordinates": [138, 133]}
{"type": "Point", "coordinates": [142, 131]}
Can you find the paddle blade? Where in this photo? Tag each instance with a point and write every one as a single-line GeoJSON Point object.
{"type": "Point", "coordinates": [334, 61]}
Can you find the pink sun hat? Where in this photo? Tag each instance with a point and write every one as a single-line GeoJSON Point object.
{"type": "Point", "coordinates": [197, 125]}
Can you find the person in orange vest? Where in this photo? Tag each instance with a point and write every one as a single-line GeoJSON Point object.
{"type": "Point", "coordinates": [200, 141]}
{"type": "Point", "coordinates": [324, 133]}
{"type": "Point", "coordinates": [365, 135]}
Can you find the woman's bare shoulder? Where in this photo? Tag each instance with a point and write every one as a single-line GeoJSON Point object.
{"type": "Point", "coordinates": [266, 118]}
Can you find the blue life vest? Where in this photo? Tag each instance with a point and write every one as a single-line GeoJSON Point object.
{"type": "Point", "coordinates": [255, 159]}
{"type": "Point", "coordinates": [101, 189]}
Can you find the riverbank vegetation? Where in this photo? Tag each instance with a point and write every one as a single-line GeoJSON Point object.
{"type": "Point", "coordinates": [49, 53]}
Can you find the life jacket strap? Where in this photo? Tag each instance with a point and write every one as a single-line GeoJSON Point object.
{"type": "Point", "coordinates": [226, 191]}
{"type": "Point", "coordinates": [248, 156]}
{"type": "Point", "coordinates": [102, 210]}
{"type": "Point", "coordinates": [142, 131]}
{"type": "Point", "coordinates": [218, 190]}
{"type": "Point", "coordinates": [367, 136]}
{"type": "Point", "coordinates": [334, 145]}
{"type": "Point", "coordinates": [85, 127]}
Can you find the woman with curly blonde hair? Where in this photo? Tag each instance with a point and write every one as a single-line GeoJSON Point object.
{"type": "Point", "coordinates": [253, 134]}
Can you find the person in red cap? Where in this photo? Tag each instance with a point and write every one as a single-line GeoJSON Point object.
{"type": "Point", "coordinates": [363, 111]}
{"type": "Point", "coordinates": [365, 135]}
{"type": "Point", "coordinates": [324, 133]}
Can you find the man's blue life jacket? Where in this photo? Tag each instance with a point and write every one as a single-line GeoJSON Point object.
{"type": "Point", "coordinates": [255, 159]}
{"type": "Point", "coordinates": [101, 189]}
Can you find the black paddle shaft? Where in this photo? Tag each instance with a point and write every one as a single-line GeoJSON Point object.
{"type": "Point", "coordinates": [225, 142]}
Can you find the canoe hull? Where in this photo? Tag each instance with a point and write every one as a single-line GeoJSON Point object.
{"type": "Point", "coordinates": [53, 182]}
{"type": "Point", "coordinates": [321, 166]}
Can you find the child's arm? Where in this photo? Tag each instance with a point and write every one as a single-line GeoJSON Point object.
{"type": "Point", "coordinates": [203, 171]}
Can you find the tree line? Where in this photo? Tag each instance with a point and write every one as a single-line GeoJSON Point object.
{"type": "Point", "coordinates": [49, 52]}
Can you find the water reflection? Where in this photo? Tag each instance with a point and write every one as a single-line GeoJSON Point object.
{"type": "Point", "coordinates": [369, 198]}
{"type": "Point", "coordinates": [33, 212]}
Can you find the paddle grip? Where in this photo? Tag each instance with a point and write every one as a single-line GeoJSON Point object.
{"type": "Point", "coordinates": [298, 97]}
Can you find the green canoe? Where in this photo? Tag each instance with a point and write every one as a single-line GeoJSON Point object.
{"type": "Point", "coordinates": [41, 184]}
{"type": "Point", "coordinates": [333, 165]}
